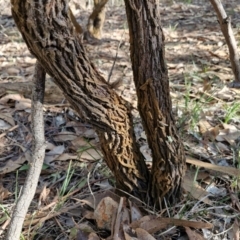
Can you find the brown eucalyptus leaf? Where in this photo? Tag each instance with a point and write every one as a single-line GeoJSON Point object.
{"type": "Point", "coordinates": [193, 235]}
{"type": "Point", "coordinates": [143, 235]}
{"type": "Point", "coordinates": [104, 213]}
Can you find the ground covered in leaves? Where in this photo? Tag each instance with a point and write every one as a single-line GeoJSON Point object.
{"type": "Point", "coordinates": [75, 198]}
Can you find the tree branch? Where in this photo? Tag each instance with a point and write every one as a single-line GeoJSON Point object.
{"type": "Point", "coordinates": [225, 24]}
{"type": "Point", "coordinates": [39, 146]}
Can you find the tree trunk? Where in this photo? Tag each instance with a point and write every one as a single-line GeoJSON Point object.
{"type": "Point", "coordinates": [154, 103]}
{"type": "Point", "coordinates": [96, 19]}
{"type": "Point", "coordinates": [51, 38]}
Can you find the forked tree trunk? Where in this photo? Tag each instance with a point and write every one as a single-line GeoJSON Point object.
{"type": "Point", "coordinates": [154, 103]}
{"type": "Point", "coordinates": [51, 38]}
{"type": "Point", "coordinates": [49, 34]}
{"type": "Point", "coordinates": [96, 19]}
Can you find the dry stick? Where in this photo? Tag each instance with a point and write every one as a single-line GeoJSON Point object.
{"type": "Point", "coordinates": [225, 24]}
{"type": "Point", "coordinates": [39, 147]}
{"type": "Point", "coordinates": [111, 70]}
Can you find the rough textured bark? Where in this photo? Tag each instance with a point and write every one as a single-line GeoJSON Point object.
{"type": "Point", "coordinates": [154, 103]}
{"type": "Point", "coordinates": [39, 147]}
{"type": "Point", "coordinates": [225, 24]}
{"type": "Point", "coordinates": [96, 19]}
{"type": "Point", "coordinates": [49, 34]}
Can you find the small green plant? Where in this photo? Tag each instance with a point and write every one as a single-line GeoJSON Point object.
{"type": "Point", "coordinates": [231, 111]}
{"type": "Point", "coordinates": [65, 186]}
{"type": "Point", "coordinates": [87, 147]}
{"type": "Point", "coordinates": [172, 28]}
{"type": "Point", "coordinates": [188, 85]}
{"type": "Point", "coordinates": [187, 1]}
{"type": "Point", "coordinates": [22, 237]}
{"type": "Point", "coordinates": [16, 187]}
{"type": "Point", "coordinates": [192, 106]}
{"type": "Point", "coordinates": [195, 113]}
{"type": "Point", "coordinates": [4, 214]}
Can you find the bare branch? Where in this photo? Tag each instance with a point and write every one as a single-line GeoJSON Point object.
{"type": "Point", "coordinates": [225, 24]}
{"type": "Point", "coordinates": [39, 146]}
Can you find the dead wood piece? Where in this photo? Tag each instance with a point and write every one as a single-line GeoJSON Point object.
{"type": "Point", "coordinates": [225, 24]}
{"type": "Point", "coordinates": [34, 171]}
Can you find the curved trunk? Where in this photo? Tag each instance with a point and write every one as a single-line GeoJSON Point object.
{"type": "Point", "coordinates": [49, 34]}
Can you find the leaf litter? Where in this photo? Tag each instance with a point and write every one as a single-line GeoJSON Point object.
{"type": "Point", "coordinates": [75, 198]}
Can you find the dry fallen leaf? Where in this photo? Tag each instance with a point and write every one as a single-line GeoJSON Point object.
{"type": "Point", "coordinates": [230, 133]}
{"type": "Point", "coordinates": [90, 133]}
{"type": "Point", "coordinates": [192, 235]}
{"type": "Point", "coordinates": [153, 224]}
{"type": "Point", "coordinates": [129, 234]}
{"type": "Point", "coordinates": [227, 170]}
{"type": "Point", "coordinates": [104, 213]}
{"type": "Point", "coordinates": [4, 193]}
{"type": "Point", "coordinates": [236, 229]}
{"type": "Point", "coordinates": [64, 136]}
{"type": "Point", "coordinates": [43, 195]}
{"type": "Point", "coordinates": [12, 165]}
{"type": "Point", "coordinates": [13, 71]}
{"type": "Point", "coordinates": [135, 213]}
{"type": "Point", "coordinates": [143, 234]}
{"type": "Point", "coordinates": [23, 104]}
{"type": "Point", "coordinates": [66, 156]}
{"type": "Point", "coordinates": [234, 199]}
{"type": "Point", "coordinates": [9, 97]}
{"type": "Point", "coordinates": [90, 154]}
{"type": "Point", "coordinates": [7, 117]}
{"type": "Point", "coordinates": [195, 190]}
{"type": "Point", "coordinates": [79, 142]}
{"type": "Point", "coordinates": [54, 154]}
{"type": "Point", "coordinates": [92, 236]}
{"type": "Point", "coordinates": [4, 125]}
{"type": "Point", "coordinates": [225, 94]}
{"type": "Point", "coordinates": [207, 131]}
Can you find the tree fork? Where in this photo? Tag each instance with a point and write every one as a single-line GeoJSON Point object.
{"type": "Point", "coordinates": [50, 36]}
{"type": "Point", "coordinates": [97, 18]}
{"type": "Point", "coordinates": [154, 102]}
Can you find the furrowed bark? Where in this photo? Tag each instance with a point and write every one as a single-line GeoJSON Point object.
{"type": "Point", "coordinates": [49, 34]}
{"type": "Point", "coordinates": [154, 103]}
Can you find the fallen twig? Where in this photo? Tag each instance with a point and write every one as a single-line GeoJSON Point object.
{"type": "Point", "coordinates": [34, 171]}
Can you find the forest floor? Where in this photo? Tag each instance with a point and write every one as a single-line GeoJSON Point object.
{"type": "Point", "coordinates": [75, 178]}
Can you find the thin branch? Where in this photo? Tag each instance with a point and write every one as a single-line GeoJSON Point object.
{"type": "Point", "coordinates": [39, 146]}
{"type": "Point", "coordinates": [114, 62]}
{"type": "Point", "coordinates": [225, 24]}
